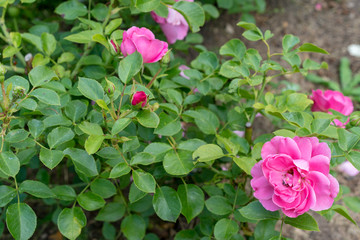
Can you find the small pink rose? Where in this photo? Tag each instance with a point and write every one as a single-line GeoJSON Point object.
{"type": "Point", "coordinates": [115, 46]}
{"type": "Point", "coordinates": [139, 97]}
{"type": "Point", "coordinates": [323, 101]}
{"type": "Point", "coordinates": [318, 7]}
{"type": "Point", "coordinates": [347, 168]}
{"type": "Point", "coordinates": [293, 176]}
{"type": "Point", "coordinates": [174, 26]}
{"type": "Point", "coordinates": [143, 41]}
{"type": "Point", "coordinates": [182, 68]}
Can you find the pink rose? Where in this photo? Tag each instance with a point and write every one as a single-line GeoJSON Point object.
{"type": "Point", "coordinates": [293, 176]}
{"type": "Point", "coordinates": [347, 168]}
{"type": "Point", "coordinates": [115, 46]}
{"type": "Point", "coordinates": [174, 26]}
{"type": "Point", "coordinates": [139, 97]}
{"type": "Point", "coordinates": [143, 41]}
{"type": "Point", "coordinates": [323, 101]}
{"type": "Point", "coordinates": [182, 68]}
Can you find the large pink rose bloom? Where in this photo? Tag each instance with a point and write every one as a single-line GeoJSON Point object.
{"type": "Point", "coordinates": [293, 176]}
{"type": "Point", "coordinates": [143, 41]}
{"type": "Point", "coordinates": [323, 101]}
{"type": "Point", "coordinates": [174, 26]}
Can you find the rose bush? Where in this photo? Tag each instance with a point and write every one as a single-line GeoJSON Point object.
{"type": "Point", "coordinates": [105, 134]}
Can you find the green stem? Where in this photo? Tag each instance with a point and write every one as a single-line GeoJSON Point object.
{"type": "Point", "coordinates": [17, 190]}
{"type": "Point", "coordinates": [281, 228]}
{"type": "Point", "coordinates": [154, 78]}
{"type": "Point", "coordinates": [8, 38]}
{"type": "Point", "coordinates": [15, 69]}
{"type": "Point", "coordinates": [90, 45]}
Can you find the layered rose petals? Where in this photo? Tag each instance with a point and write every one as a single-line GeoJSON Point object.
{"type": "Point", "coordinates": [294, 176]}
{"type": "Point", "coordinates": [143, 41]}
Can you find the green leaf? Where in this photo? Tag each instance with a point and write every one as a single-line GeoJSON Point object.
{"type": "Point", "coordinates": [59, 136]}
{"type": "Point", "coordinates": [144, 181]}
{"type": "Point", "coordinates": [246, 25]}
{"type": "Point", "coordinates": [178, 163]}
{"type": "Point", "coordinates": [75, 110]}
{"type": "Point", "coordinates": [256, 211]}
{"type": "Point", "coordinates": [343, 212]}
{"type": "Point", "coordinates": [347, 140]}
{"type": "Point", "coordinates": [133, 227]}
{"type": "Point", "coordinates": [285, 133]}
{"type": "Point", "coordinates": [64, 192]}
{"type": "Point", "coordinates": [346, 75]}
{"type": "Point", "coordinates": [9, 163]}
{"type": "Point", "coordinates": [29, 104]}
{"type": "Point", "coordinates": [297, 102]}
{"type": "Point", "coordinates": [207, 153]}
{"type": "Point", "coordinates": [130, 66]}
{"type": "Point", "coordinates": [289, 41]}
{"type": "Point", "coordinates": [309, 47]}
{"type": "Point", "coordinates": [175, 96]}
{"type": "Point", "coordinates": [353, 203]}
{"type": "Point", "coordinates": [234, 48]}
{"type": "Point", "coordinates": [103, 188]}
{"type": "Point", "coordinates": [245, 163]}
{"type": "Point", "coordinates": [37, 189]}
{"type": "Point", "coordinates": [305, 222]}
{"type": "Point", "coordinates": [36, 127]}
{"type": "Point", "coordinates": [21, 221]}
{"type": "Point", "coordinates": [33, 39]}
{"type": "Point", "coordinates": [46, 96]}
{"type": "Point", "coordinates": [71, 10]}
{"type": "Point", "coordinates": [83, 162]}
{"type": "Point", "coordinates": [147, 5]}
{"type": "Point", "coordinates": [90, 88]}
{"type": "Point", "coordinates": [233, 69]}
{"type": "Point", "coordinates": [91, 128]}
{"type": "Point", "coordinates": [168, 125]}
{"type": "Point", "coordinates": [143, 158]}
{"type": "Point", "coordinates": [120, 125]}
{"type": "Point", "coordinates": [9, 51]}
{"type": "Point", "coordinates": [93, 143]}
{"type": "Point", "coordinates": [41, 75]}
{"type": "Point", "coordinates": [113, 24]}
{"type": "Point", "coordinates": [193, 13]}
{"type": "Point", "coordinates": [48, 43]}
{"type": "Point", "coordinates": [253, 35]}
{"type": "Point", "coordinates": [192, 200]}
{"type": "Point", "coordinates": [112, 212]}
{"type": "Point", "coordinates": [70, 222]}
{"type": "Point", "coordinates": [166, 203]}
{"type": "Point", "coordinates": [82, 37]}
{"type": "Point", "coordinates": [6, 195]}
{"type": "Point", "coordinates": [148, 119]}
{"type": "Point", "coordinates": [135, 194]}
{"type": "Point", "coordinates": [320, 125]}
{"type": "Point", "coordinates": [265, 230]}
{"type": "Point", "coordinates": [17, 135]}
{"type": "Point", "coordinates": [90, 201]}
{"type": "Point", "coordinates": [225, 229]}
{"type": "Point", "coordinates": [119, 170]}
{"type": "Point", "coordinates": [218, 205]}
{"type": "Point", "coordinates": [66, 57]}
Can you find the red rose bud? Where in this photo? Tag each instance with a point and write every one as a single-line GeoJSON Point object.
{"type": "Point", "coordinates": [139, 97]}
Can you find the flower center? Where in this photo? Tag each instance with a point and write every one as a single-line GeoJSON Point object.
{"type": "Point", "coordinates": [287, 179]}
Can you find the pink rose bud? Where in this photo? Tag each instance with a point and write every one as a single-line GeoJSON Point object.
{"type": "Point", "coordinates": [323, 101]}
{"type": "Point", "coordinates": [115, 46]}
{"type": "Point", "coordinates": [347, 168]}
{"type": "Point", "coordinates": [182, 68]}
{"type": "Point", "coordinates": [293, 176]}
{"type": "Point", "coordinates": [139, 97]}
{"type": "Point", "coordinates": [143, 41]}
{"type": "Point", "coordinates": [174, 26]}
{"type": "Point", "coordinates": [318, 7]}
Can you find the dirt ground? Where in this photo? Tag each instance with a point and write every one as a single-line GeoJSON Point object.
{"type": "Point", "coordinates": [334, 28]}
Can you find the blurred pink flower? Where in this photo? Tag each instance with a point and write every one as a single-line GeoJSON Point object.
{"type": "Point", "coordinates": [293, 176]}
{"type": "Point", "coordinates": [174, 26]}
{"type": "Point", "coordinates": [323, 101]}
{"type": "Point", "coordinates": [318, 7]}
{"type": "Point", "coordinates": [239, 133]}
{"type": "Point", "coordinates": [182, 68]}
{"type": "Point", "coordinates": [347, 168]}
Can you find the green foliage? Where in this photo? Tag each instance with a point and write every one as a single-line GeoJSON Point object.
{"type": "Point", "coordinates": [74, 147]}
